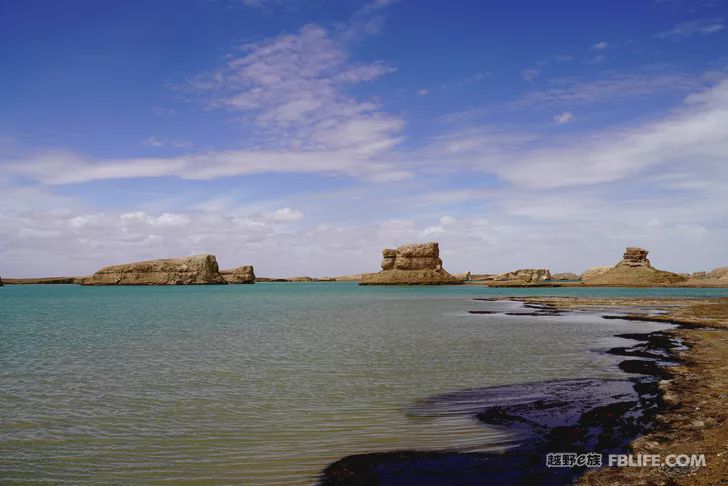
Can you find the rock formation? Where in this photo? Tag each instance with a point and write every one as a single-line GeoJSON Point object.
{"type": "Point", "coordinates": [715, 277]}
{"type": "Point", "coordinates": [527, 275]}
{"type": "Point", "coordinates": [303, 279]}
{"type": "Point", "coordinates": [240, 275]}
{"type": "Point", "coordinates": [634, 270]}
{"type": "Point", "coordinates": [42, 280]}
{"type": "Point", "coordinates": [1, 281]}
{"type": "Point", "coordinates": [720, 273]}
{"type": "Point", "coordinates": [594, 271]}
{"type": "Point", "coordinates": [350, 278]}
{"type": "Point", "coordinates": [634, 257]}
{"type": "Point", "coordinates": [465, 276]}
{"type": "Point", "coordinates": [194, 270]}
{"type": "Point", "coordinates": [414, 264]}
{"type": "Point", "coordinates": [565, 276]}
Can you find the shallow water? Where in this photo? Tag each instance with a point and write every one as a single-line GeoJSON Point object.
{"type": "Point", "coordinates": [265, 383]}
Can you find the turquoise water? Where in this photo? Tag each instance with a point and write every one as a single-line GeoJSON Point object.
{"type": "Point", "coordinates": [265, 383]}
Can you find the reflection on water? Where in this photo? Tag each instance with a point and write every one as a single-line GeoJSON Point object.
{"type": "Point", "coordinates": [260, 384]}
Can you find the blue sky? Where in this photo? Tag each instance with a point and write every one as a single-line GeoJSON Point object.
{"type": "Point", "coordinates": [305, 136]}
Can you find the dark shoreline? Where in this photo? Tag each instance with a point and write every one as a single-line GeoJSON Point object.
{"type": "Point", "coordinates": [575, 421]}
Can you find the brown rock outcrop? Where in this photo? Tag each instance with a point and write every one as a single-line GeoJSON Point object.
{"type": "Point", "coordinates": [42, 280]}
{"type": "Point", "coordinates": [720, 273]}
{"type": "Point", "coordinates": [194, 270]}
{"type": "Point", "coordinates": [527, 275]}
{"type": "Point", "coordinates": [594, 271]}
{"type": "Point", "coordinates": [564, 276]}
{"type": "Point", "coordinates": [634, 271]}
{"type": "Point", "coordinates": [634, 257]}
{"type": "Point", "coordinates": [350, 278]}
{"type": "Point", "coordinates": [414, 264]}
{"type": "Point", "coordinates": [240, 275]}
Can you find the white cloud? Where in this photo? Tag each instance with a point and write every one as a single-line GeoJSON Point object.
{"type": "Point", "coordinates": [423, 91]}
{"type": "Point", "coordinates": [284, 215]}
{"type": "Point", "coordinates": [58, 167]}
{"type": "Point", "coordinates": [518, 226]}
{"type": "Point", "coordinates": [162, 111]}
{"type": "Point", "coordinates": [691, 138]}
{"type": "Point", "coordinates": [447, 220]}
{"type": "Point", "coordinates": [164, 219]}
{"type": "Point", "coordinates": [600, 46]}
{"type": "Point", "coordinates": [293, 85]}
{"type": "Point", "coordinates": [564, 117]}
{"type": "Point", "coordinates": [530, 74]}
{"type": "Point", "coordinates": [692, 28]}
{"type": "Point", "coordinates": [164, 142]}
{"type": "Point", "coordinates": [609, 88]}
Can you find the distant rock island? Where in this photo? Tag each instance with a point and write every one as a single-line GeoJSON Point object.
{"type": "Point", "coordinates": [240, 275]}
{"type": "Point", "coordinates": [296, 279]}
{"type": "Point", "coordinates": [413, 264]}
{"type": "Point", "coordinates": [719, 274]}
{"type": "Point", "coordinates": [194, 270]}
{"type": "Point", "coordinates": [526, 275]}
{"type": "Point", "coordinates": [635, 270]}
{"type": "Point", "coordinates": [42, 280]}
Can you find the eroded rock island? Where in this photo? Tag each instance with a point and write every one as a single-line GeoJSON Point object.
{"type": "Point", "coordinates": [526, 275]}
{"type": "Point", "coordinates": [193, 270]}
{"type": "Point", "coordinates": [240, 275]}
{"type": "Point", "coordinates": [413, 264]}
{"type": "Point", "coordinates": [634, 270]}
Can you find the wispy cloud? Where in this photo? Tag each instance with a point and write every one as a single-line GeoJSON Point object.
{"type": "Point", "coordinates": [608, 88]}
{"type": "Point", "coordinates": [63, 167]}
{"type": "Point", "coordinates": [692, 28]}
{"type": "Point", "coordinates": [564, 117]}
{"type": "Point", "coordinates": [165, 142]}
{"type": "Point", "coordinates": [294, 84]}
{"type": "Point", "coordinates": [691, 137]}
{"type": "Point", "coordinates": [530, 74]}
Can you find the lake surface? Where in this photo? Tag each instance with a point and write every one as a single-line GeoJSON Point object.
{"type": "Point", "coordinates": [265, 383]}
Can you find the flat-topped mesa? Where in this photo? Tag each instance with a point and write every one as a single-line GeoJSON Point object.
{"type": "Point", "coordinates": [240, 275]}
{"type": "Point", "coordinates": [634, 257]}
{"type": "Point", "coordinates": [194, 270]}
{"type": "Point", "coordinates": [527, 275]}
{"type": "Point", "coordinates": [413, 264]}
{"type": "Point", "coordinates": [634, 270]}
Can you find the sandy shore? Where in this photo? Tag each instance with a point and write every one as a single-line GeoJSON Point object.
{"type": "Point", "coordinates": [695, 417]}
